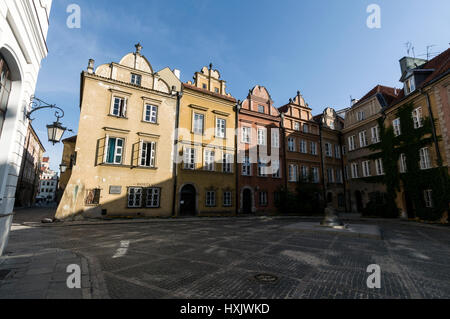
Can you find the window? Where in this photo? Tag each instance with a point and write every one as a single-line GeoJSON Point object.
{"type": "Point", "coordinates": [216, 90]}
{"type": "Point", "coordinates": [261, 169]}
{"type": "Point", "coordinates": [199, 120]}
{"type": "Point", "coordinates": [262, 136]}
{"type": "Point", "coordinates": [313, 148]}
{"type": "Point", "coordinates": [355, 170]}
{"type": "Point", "coordinates": [227, 164]}
{"type": "Point", "coordinates": [315, 175]}
{"type": "Point", "coordinates": [379, 166]}
{"type": "Point", "coordinates": [263, 199]}
{"type": "Point", "coordinates": [305, 128]}
{"type": "Point", "coordinates": [204, 86]}
{"type": "Point", "coordinates": [261, 109]}
{"type": "Point", "coordinates": [246, 135]}
{"type": "Point", "coordinates": [291, 144]}
{"type": "Point", "coordinates": [337, 151]}
{"type": "Point", "coordinates": [362, 139]}
{"type": "Point", "coordinates": [425, 162]}
{"type": "Point", "coordinates": [410, 85]}
{"type": "Point", "coordinates": [209, 160]}
{"type": "Point", "coordinates": [5, 90]}
{"type": "Point", "coordinates": [275, 138]}
{"type": "Point", "coordinates": [134, 197]}
{"type": "Point", "coordinates": [428, 195]}
{"type": "Point", "coordinates": [210, 199]}
{"type": "Point", "coordinates": [346, 170]}
{"type": "Point", "coordinates": [297, 126]}
{"type": "Point", "coordinates": [293, 173]}
{"type": "Point", "coordinates": [397, 127]}
{"type": "Point", "coordinates": [151, 113]}
{"type": "Point", "coordinates": [361, 116]}
{"type": "Point", "coordinates": [119, 107]}
{"type": "Point", "coordinates": [330, 175]}
{"type": "Point", "coordinates": [92, 196]}
{"type": "Point", "coordinates": [375, 134]}
{"type": "Point", "coordinates": [351, 143]}
{"type": "Point", "coordinates": [221, 125]}
{"type": "Point", "coordinates": [328, 150]}
{"type": "Point", "coordinates": [403, 165]}
{"type": "Point", "coordinates": [304, 171]}
{"type": "Point", "coordinates": [246, 167]}
{"type": "Point", "coordinates": [303, 147]}
{"type": "Point", "coordinates": [276, 172]}
{"type": "Point", "coordinates": [189, 158]}
{"type": "Point", "coordinates": [114, 151]}
{"type": "Point", "coordinates": [366, 168]}
{"type": "Point", "coordinates": [148, 151]}
{"type": "Point", "coordinates": [417, 118]}
{"type": "Point", "coordinates": [153, 198]}
{"type": "Point", "coordinates": [227, 199]}
{"type": "Point", "coordinates": [339, 176]}
{"type": "Point", "coordinates": [136, 79]}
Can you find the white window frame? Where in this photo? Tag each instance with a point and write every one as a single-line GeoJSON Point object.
{"type": "Point", "coordinates": [363, 139]}
{"type": "Point", "coordinates": [263, 109]}
{"type": "Point", "coordinates": [303, 147]}
{"type": "Point", "coordinates": [379, 167]}
{"type": "Point", "coordinates": [293, 173]}
{"type": "Point", "coordinates": [366, 169]}
{"type": "Point", "coordinates": [227, 162]}
{"type": "Point", "coordinates": [189, 158]}
{"type": "Point", "coordinates": [276, 169]}
{"type": "Point", "coordinates": [118, 150]}
{"type": "Point", "coordinates": [304, 172]}
{"type": "Point", "coordinates": [246, 167]}
{"type": "Point", "coordinates": [122, 110]}
{"type": "Point", "coordinates": [145, 152]}
{"type": "Point", "coordinates": [153, 198]}
{"type": "Point", "coordinates": [246, 134]}
{"type": "Point", "coordinates": [227, 199]}
{"type": "Point", "coordinates": [221, 127]}
{"type": "Point", "coordinates": [306, 129]}
{"type": "Point", "coordinates": [263, 198]}
{"type": "Point", "coordinates": [275, 138]}
{"type": "Point", "coordinates": [337, 151]}
{"type": "Point", "coordinates": [210, 199]}
{"type": "Point", "coordinates": [132, 196]}
{"type": "Point", "coordinates": [150, 113]}
{"type": "Point", "coordinates": [196, 121]}
{"type": "Point", "coordinates": [315, 175]}
{"type": "Point", "coordinates": [328, 150]}
{"type": "Point", "coordinates": [417, 117]}
{"type": "Point", "coordinates": [425, 159]}
{"type": "Point", "coordinates": [209, 160]}
{"type": "Point", "coordinates": [355, 170]}
{"type": "Point", "coordinates": [428, 197]}
{"type": "Point", "coordinates": [291, 144]}
{"type": "Point", "coordinates": [262, 136]}
{"type": "Point", "coordinates": [330, 175]}
{"type": "Point", "coordinates": [375, 134]}
{"type": "Point", "coordinates": [396, 124]}
{"type": "Point", "coordinates": [351, 143]}
{"type": "Point", "coordinates": [297, 126]}
{"type": "Point", "coordinates": [136, 79]}
{"type": "Point", "coordinates": [403, 163]}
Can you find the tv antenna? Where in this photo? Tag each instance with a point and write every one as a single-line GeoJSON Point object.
{"type": "Point", "coordinates": [428, 51]}
{"type": "Point", "coordinates": [410, 48]}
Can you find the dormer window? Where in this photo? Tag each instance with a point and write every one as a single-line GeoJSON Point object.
{"type": "Point", "coordinates": [260, 108]}
{"type": "Point", "coordinates": [361, 116]}
{"type": "Point", "coordinates": [136, 79]}
{"type": "Point", "coordinates": [410, 85]}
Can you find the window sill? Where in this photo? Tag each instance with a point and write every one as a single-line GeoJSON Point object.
{"type": "Point", "coordinates": [146, 122]}
{"type": "Point", "coordinates": [118, 117]}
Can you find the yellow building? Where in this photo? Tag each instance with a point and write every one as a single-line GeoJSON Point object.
{"type": "Point", "coordinates": [124, 147]}
{"type": "Point", "coordinates": [206, 180]}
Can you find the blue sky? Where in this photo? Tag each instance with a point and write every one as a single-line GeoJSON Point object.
{"type": "Point", "coordinates": [322, 48]}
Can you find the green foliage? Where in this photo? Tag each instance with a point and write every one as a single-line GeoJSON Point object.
{"type": "Point", "coordinates": [415, 181]}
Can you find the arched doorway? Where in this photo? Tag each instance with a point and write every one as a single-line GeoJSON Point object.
{"type": "Point", "coordinates": [359, 201]}
{"type": "Point", "coordinates": [247, 201]}
{"type": "Point", "coordinates": [188, 197]}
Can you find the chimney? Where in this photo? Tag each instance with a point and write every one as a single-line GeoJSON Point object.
{"type": "Point", "coordinates": [177, 73]}
{"type": "Point", "coordinates": [90, 67]}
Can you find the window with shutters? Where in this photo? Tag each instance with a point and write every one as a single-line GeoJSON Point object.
{"type": "Point", "coordinates": [114, 150]}
{"type": "Point", "coordinates": [119, 107]}
{"type": "Point", "coordinates": [148, 154]}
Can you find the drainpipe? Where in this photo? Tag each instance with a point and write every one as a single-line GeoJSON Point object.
{"type": "Point", "coordinates": [175, 154]}
{"type": "Point", "coordinates": [236, 143]}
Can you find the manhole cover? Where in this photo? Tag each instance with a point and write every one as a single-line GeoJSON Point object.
{"type": "Point", "coordinates": [266, 278]}
{"type": "Point", "coordinates": [4, 273]}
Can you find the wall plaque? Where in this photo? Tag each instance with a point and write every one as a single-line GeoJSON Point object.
{"type": "Point", "coordinates": [115, 190]}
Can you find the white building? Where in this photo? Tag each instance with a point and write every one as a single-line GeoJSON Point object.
{"type": "Point", "coordinates": [23, 33]}
{"type": "Point", "coordinates": [48, 184]}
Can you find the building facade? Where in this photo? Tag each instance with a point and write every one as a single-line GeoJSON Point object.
{"type": "Point", "coordinates": [48, 183]}
{"type": "Point", "coordinates": [260, 154]}
{"type": "Point", "coordinates": [332, 157]}
{"type": "Point", "coordinates": [68, 161]}
{"type": "Point", "coordinates": [30, 170]}
{"type": "Point", "coordinates": [23, 33]}
{"type": "Point", "coordinates": [124, 147]}
{"type": "Point", "coordinates": [302, 143]}
{"type": "Point", "coordinates": [206, 148]}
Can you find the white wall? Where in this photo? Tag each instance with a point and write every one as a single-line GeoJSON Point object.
{"type": "Point", "coordinates": [23, 33]}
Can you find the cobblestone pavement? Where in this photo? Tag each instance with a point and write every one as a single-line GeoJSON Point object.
{"type": "Point", "coordinates": [220, 259]}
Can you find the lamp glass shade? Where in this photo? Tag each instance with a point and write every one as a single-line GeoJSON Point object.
{"type": "Point", "coordinates": [63, 168]}
{"type": "Point", "coordinates": [55, 132]}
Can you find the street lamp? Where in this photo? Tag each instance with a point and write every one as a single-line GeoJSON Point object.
{"type": "Point", "coordinates": [55, 131]}
{"type": "Point", "coordinates": [63, 168]}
